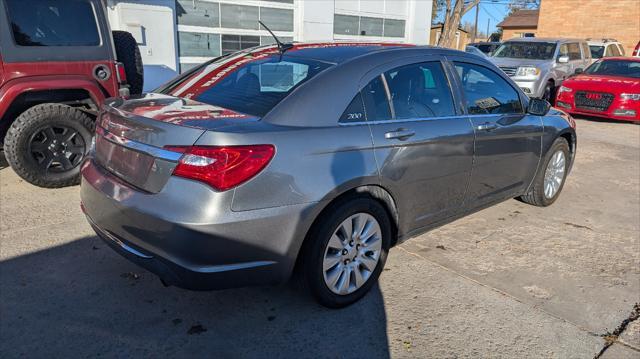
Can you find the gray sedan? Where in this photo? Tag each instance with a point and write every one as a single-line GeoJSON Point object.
{"type": "Point", "coordinates": [314, 158]}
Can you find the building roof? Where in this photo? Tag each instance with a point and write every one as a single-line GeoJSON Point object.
{"type": "Point", "coordinates": [521, 19]}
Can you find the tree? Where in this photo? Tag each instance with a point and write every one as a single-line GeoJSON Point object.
{"type": "Point", "coordinates": [452, 19]}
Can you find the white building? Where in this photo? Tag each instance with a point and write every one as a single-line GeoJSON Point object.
{"type": "Point", "coordinates": [180, 34]}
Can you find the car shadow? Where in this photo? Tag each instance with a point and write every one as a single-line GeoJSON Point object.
{"type": "Point", "coordinates": [81, 299]}
{"type": "Point", "coordinates": [3, 161]}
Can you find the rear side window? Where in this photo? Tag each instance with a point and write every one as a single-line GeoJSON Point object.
{"type": "Point", "coordinates": [420, 91]}
{"type": "Point", "coordinates": [53, 23]}
{"type": "Point", "coordinates": [487, 92]}
{"type": "Point", "coordinates": [574, 51]}
{"type": "Point", "coordinates": [612, 50]}
{"type": "Point", "coordinates": [585, 50]}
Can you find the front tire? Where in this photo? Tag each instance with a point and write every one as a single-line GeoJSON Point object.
{"type": "Point", "coordinates": [345, 251]}
{"type": "Point", "coordinates": [47, 143]}
{"type": "Point", "coordinates": [550, 178]}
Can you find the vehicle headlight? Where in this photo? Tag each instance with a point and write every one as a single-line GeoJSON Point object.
{"type": "Point", "coordinates": [630, 96]}
{"type": "Point", "coordinates": [564, 89]}
{"type": "Point", "coordinates": [528, 71]}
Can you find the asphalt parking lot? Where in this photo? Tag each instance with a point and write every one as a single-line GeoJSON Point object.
{"type": "Point", "coordinates": [511, 281]}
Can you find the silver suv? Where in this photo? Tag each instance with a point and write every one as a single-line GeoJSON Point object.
{"type": "Point", "coordinates": [538, 65]}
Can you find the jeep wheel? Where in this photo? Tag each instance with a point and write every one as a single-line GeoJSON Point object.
{"type": "Point", "coordinates": [46, 144]}
{"type": "Point", "coordinates": [128, 53]}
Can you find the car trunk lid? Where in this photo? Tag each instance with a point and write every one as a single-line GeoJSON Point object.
{"type": "Point", "coordinates": [132, 136]}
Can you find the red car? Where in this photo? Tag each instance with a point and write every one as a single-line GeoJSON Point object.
{"type": "Point", "coordinates": [608, 88]}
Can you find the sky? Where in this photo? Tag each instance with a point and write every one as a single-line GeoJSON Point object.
{"type": "Point", "coordinates": [493, 11]}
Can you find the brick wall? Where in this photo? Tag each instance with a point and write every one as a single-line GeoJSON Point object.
{"type": "Point", "coordinates": [618, 19]}
{"type": "Point", "coordinates": [511, 33]}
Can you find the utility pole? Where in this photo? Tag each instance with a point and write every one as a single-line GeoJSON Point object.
{"type": "Point", "coordinates": [488, 22]}
{"type": "Point", "coordinates": [475, 28]}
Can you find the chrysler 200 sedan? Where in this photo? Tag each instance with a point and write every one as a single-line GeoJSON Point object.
{"type": "Point", "coordinates": [314, 159]}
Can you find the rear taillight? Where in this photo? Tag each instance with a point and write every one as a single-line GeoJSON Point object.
{"type": "Point", "coordinates": [222, 167]}
{"type": "Point", "coordinates": [121, 75]}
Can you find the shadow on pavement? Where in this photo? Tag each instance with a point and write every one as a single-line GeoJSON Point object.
{"type": "Point", "coordinates": [83, 300]}
{"type": "Point", "coordinates": [3, 161]}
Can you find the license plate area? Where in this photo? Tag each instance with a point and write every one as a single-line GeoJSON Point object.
{"type": "Point", "coordinates": [129, 165]}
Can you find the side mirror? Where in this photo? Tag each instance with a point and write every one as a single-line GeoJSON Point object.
{"type": "Point", "coordinates": [538, 106]}
{"type": "Point", "coordinates": [563, 59]}
{"type": "Point", "coordinates": [578, 71]}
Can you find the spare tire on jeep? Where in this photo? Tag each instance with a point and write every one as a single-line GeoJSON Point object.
{"type": "Point", "coordinates": [128, 53]}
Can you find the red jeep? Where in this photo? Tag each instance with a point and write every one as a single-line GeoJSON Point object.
{"type": "Point", "coordinates": [59, 60]}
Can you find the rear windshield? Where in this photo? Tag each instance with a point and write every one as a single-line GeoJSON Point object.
{"type": "Point", "coordinates": [53, 23]}
{"type": "Point", "coordinates": [249, 83]}
{"type": "Point", "coordinates": [526, 50]}
{"type": "Point", "coordinates": [620, 68]}
{"type": "Point", "coordinates": [596, 51]}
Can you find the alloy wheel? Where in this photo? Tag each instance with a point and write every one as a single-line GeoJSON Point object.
{"type": "Point", "coordinates": [57, 148]}
{"type": "Point", "coordinates": [352, 253]}
{"type": "Point", "coordinates": [554, 174]}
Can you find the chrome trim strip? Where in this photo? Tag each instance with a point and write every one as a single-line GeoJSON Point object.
{"type": "Point", "coordinates": [404, 120]}
{"type": "Point", "coordinates": [156, 152]}
{"type": "Point", "coordinates": [116, 241]}
{"type": "Point", "coordinates": [230, 267]}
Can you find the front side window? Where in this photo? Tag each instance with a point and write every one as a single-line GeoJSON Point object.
{"type": "Point", "coordinates": [420, 91]}
{"type": "Point", "coordinates": [487, 92]}
{"type": "Point", "coordinates": [612, 50]}
{"type": "Point", "coordinates": [252, 85]}
{"type": "Point", "coordinates": [526, 50]}
{"type": "Point", "coordinates": [53, 23]}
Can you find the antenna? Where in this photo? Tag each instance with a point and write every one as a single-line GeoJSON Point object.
{"type": "Point", "coordinates": [281, 46]}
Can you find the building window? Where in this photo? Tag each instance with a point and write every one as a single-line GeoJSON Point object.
{"type": "Point", "coordinates": [345, 24]}
{"type": "Point", "coordinates": [198, 13]}
{"type": "Point", "coordinates": [393, 28]}
{"type": "Point", "coordinates": [184, 67]}
{"type": "Point", "coordinates": [268, 40]}
{"type": "Point", "coordinates": [239, 16]}
{"type": "Point", "coordinates": [367, 26]}
{"type": "Point", "coordinates": [282, 1]}
{"type": "Point", "coordinates": [198, 44]}
{"type": "Point", "coordinates": [233, 43]}
{"type": "Point", "coordinates": [277, 19]}
{"type": "Point", "coordinates": [370, 26]}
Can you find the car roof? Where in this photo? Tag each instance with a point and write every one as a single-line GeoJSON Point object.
{"type": "Point", "coordinates": [336, 52]}
{"type": "Point", "coordinates": [544, 39]}
{"type": "Point", "coordinates": [601, 42]}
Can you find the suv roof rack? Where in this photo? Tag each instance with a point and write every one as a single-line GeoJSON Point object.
{"type": "Point", "coordinates": [603, 40]}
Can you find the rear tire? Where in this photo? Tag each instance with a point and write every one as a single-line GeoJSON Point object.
{"type": "Point", "coordinates": [128, 53]}
{"type": "Point", "coordinates": [40, 137]}
{"type": "Point", "coordinates": [360, 257]}
{"type": "Point", "coordinates": [539, 194]}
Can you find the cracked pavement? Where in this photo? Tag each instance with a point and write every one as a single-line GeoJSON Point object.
{"type": "Point", "coordinates": [510, 281]}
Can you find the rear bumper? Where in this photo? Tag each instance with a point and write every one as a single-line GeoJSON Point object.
{"type": "Point", "coordinates": [215, 249]}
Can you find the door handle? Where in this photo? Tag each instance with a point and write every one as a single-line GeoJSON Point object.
{"type": "Point", "coordinates": [487, 126]}
{"type": "Point", "coordinates": [399, 134]}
